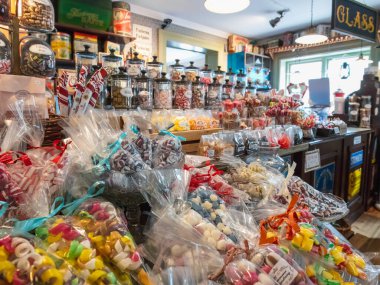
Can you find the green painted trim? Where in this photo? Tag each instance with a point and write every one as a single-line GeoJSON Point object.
{"type": "Point", "coordinates": [165, 36]}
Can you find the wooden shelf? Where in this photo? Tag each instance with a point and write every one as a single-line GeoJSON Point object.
{"type": "Point", "coordinates": [71, 28]}
{"type": "Point", "coordinates": [292, 48]}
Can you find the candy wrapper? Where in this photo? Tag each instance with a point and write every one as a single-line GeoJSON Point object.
{"type": "Point", "coordinates": [79, 89]}
{"type": "Point", "coordinates": [324, 206]}
{"type": "Point", "coordinates": [167, 151]}
{"type": "Point", "coordinates": [71, 244]}
{"type": "Point", "coordinates": [63, 94]}
{"type": "Point", "coordinates": [109, 234]}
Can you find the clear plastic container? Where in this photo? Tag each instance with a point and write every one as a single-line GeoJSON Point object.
{"type": "Point", "coordinates": [85, 58]}
{"type": "Point", "coordinates": [183, 94]}
{"type": "Point", "coordinates": [121, 90]}
{"type": "Point", "coordinates": [5, 11]}
{"type": "Point", "coordinates": [191, 72]}
{"type": "Point", "coordinates": [144, 91]}
{"type": "Point", "coordinates": [353, 112]}
{"type": "Point", "coordinates": [231, 76]}
{"type": "Point", "coordinates": [228, 91]}
{"type": "Point", "coordinates": [239, 91]}
{"type": "Point", "coordinates": [37, 58]}
{"type": "Point", "coordinates": [206, 75]}
{"type": "Point", "coordinates": [220, 75]}
{"type": "Point", "coordinates": [163, 93]}
{"type": "Point", "coordinates": [199, 94]}
{"type": "Point", "coordinates": [5, 55]}
{"type": "Point", "coordinates": [176, 71]}
{"type": "Point", "coordinates": [37, 15]}
{"type": "Point", "coordinates": [214, 94]}
{"type": "Point", "coordinates": [135, 65]}
{"type": "Point", "coordinates": [112, 62]}
{"type": "Point", "coordinates": [242, 77]}
{"type": "Point", "coordinates": [154, 68]}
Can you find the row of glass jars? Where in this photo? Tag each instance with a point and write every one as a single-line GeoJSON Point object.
{"type": "Point", "coordinates": [129, 92]}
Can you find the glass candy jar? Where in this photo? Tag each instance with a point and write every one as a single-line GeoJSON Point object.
{"type": "Point", "coordinates": [231, 76]}
{"type": "Point", "coordinates": [163, 92]}
{"type": "Point", "coordinates": [182, 94]}
{"type": "Point", "coordinates": [37, 58]}
{"type": "Point", "coordinates": [112, 62]}
{"type": "Point", "coordinates": [135, 65]}
{"type": "Point", "coordinates": [5, 55]}
{"type": "Point", "coordinates": [191, 72]}
{"type": "Point", "coordinates": [121, 90]}
{"type": "Point", "coordinates": [85, 58]}
{"type": "Point", "coordinates": [239, 91]}
{"type": "Point", "coordinates": [230, 116]}
{"type": "Point", "coordinates": [206, 75]}
{"type": "Point", "coordinates": [144, 91]}
{"type": "Point", "coordinates": [176, 71]}
{"type": "Point", "coordinates": [228, 91]}
{"type": "Point", "coordinates": [250, 90]}
{"type": "Point", "coordinates": [154, 68]}
{"type": "Point", "coordinates": [37, 15]}
{"type": "Point", "coordinates": [220, 75]}
{"type": "Point", "coordinates": [353, 112]}
{"type": "Point", "coordinates": [214, 94]}
{"type": "Point", "coordinates": [199, 93]}
{"type": "Point", "coordinates": [5, 11]}
{"type": "Point", "coordinates": [242, 77]}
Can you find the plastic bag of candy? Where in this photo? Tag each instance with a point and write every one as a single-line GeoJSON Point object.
{"type": "Point", "coordinates": [107, 229]}
{"type": "Point", "coordinates": [324, 206]}
{"type": "Point", "coordinates": [167, 151]}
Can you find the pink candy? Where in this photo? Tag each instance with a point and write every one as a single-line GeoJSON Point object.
{"type": "Point", "coordinates": [182, 97]}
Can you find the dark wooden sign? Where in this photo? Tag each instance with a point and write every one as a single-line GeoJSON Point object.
{"type": "Point", "coordinates": [355, 19]}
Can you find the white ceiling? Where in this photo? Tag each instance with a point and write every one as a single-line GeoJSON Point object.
{"type": "Point", "coordinates": [251, 23]}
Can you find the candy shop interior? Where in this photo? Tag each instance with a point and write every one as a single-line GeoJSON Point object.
{"type": "Point", "coordinates": [183, 142]}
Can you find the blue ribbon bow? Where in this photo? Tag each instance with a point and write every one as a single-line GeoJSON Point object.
{"type": "Point", "coordinates": [166, 132]}
{"type": "Point", "coordinates": [4, 207]}
{"type": "Point", "coordinates": [91, 193]}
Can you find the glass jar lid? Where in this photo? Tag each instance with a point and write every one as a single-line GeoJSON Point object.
{"type": "Point", "coordinates": [177, 65]}
{"type": "Point", "coordinates": [198, 81]}
{"type": "Point", "coordinates": [250, 86]}
{"type": "Point", "coordinates": [230, 72]}
{"type": "Point", "coordinates": [162, 79]}
{"type": "Point", "coordinates": [183, 80]}
{"type": "Point", "coordinates": [215, 82]}
{"type": "Point", "coordinates": [86, 53]}
{"type": "Point", "coordinates": [219, 71]}
{"type": "Point", "coordinates": [155, 62]}
{"type": "Point", "coordinates": [239, 85]}
{"type": "Point", "coordinates": [227, 84]}
{"type": "Point", "coordinates": [142, 77]}
{"type": "Point", "coordinates": [206, 69]}
{"type": "Point", "coordinates": [191, 66]}
{"type": "Point", "coordinates": [112, 57]}
{"type": "Point", "coordinates": [122, 75]}
{"type": "Point", "coordinates": [135, 59]}
{"type": "Point", "coordinates": [241, 74]}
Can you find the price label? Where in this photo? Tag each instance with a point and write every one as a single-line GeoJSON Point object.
{"type": "Point", "coordinates": [336, 131]}
{"type": "Point", "coordinates": [312, 160]}
{"type": "Point", "coordinates": [357, 140]}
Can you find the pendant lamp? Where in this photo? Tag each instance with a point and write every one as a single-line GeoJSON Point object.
{"type": "Point", "coordinates": [226, 6]}
{"type": "Point", "coordinates": [311, 36]}
{"type": "Point", "coordinates": [361, 56]}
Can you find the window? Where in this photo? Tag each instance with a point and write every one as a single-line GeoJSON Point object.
{"type": "Point", "coordinates": [342, 68]}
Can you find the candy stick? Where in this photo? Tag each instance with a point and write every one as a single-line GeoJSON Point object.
{"type": "Point", "coordinates": [104, 73]}
{"type": "Point", "coordinates": [92, 89]}
{"type": "Point", "coordinates": [79, 88]}
{"type": "Point", "coordinates": [63, 94]}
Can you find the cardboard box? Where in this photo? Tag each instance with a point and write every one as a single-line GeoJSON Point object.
{"type": "Point", "coordinates": [236, 42]}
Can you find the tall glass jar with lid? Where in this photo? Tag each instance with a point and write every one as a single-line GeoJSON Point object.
{"type": "Point", "coordinates": [176, 71]}
{"type": "Point", "coordinates": [242, 77]}
{"type": "Point", "coordinates": [121, 90]}
{"type": "Point", "coordinates": [154, 68]}
{"type": "Point", "coordinates": [231, 76]}
{"type": "Point", "coordinates": [182, 93]}
{"type": "Point", "coordinates": [220, 75]}
{"type": "Point", "coordinates": [135, 65]}
{"type": "Point", "coordinates": [191, 72]}
{"type": "Point", "coordinates": [228, 91]}
{"type": "Point", "coordinates": [214, 95]}
{"type": "Point", "coordinates": [206, 74]}
{"type": "Point", "coordinates": [199, 93]}
{"type": "Point", "coordinates": [112, 62]}
{"type": "Point", "coordinates": [144, 91]}
{"type": "Point", "coordinates": [85, 58]}
{"type": "Point", "coordinates": [163, 98]}
{"type": "Point", "coordinates": [5, 54]}
{"type": "Point", "coordinates": [239, 91]}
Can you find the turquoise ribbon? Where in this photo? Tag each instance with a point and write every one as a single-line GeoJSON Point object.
{"type": "Point", "coordinates": [104, 164]}
{"type": "Point", "coordinates": [135, 129]}
{"type": "Point", "coordinates": [91, 193]}
{"type": "Point", "coordinates": [22, 228]}
{"type": "Point", "coordinates": [4, 207]}
{"type": "Point", "coordinates": [167, 133]}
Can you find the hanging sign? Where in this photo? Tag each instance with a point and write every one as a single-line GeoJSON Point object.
{"type": "Point", "coordinates": [144, 40]}
{"type": "Point", "coordinates": [353, 18]}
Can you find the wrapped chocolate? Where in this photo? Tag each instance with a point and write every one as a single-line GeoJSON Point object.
{"type": "Point", "coordinates": [167, 151]}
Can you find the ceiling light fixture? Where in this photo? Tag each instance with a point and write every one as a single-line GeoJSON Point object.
{"type": "Point", "coordinates": [311, 36]}
{"type": "Point", "coordinates": [277, 20]}
{"type": "Point", "coordinates": [361, 56]}
{"type": "Point", "coordinates": [226, 6]}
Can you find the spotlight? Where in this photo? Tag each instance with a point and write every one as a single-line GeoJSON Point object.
{"type": "Point", "coordinates": [276, 20]}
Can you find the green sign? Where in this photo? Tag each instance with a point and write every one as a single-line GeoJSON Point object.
{"type": "Point", "coordinates": [355, 19]}
{"type": "Point", "coordinates": [92, 14]}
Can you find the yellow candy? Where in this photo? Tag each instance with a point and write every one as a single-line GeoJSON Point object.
{"type": "Point", "coordinates": [143, 277]}
{"type": "Point", "coordinates": [307, 232]}
{"type": "Point", "coordinates": [310, 271]}
{"type": "Point", "coordinates": [99, 263]}
{"type": "Point", "coordinates": [85, 255]}
{"type": "Point", "coordinates": [52, 239]}
{"type": "Point", "coordinates": [7, 268]}
{"type": "Point", "coordinates": [307, 244]}
{"type": "Point", "coordinates": [336, 275]}
{"type": "Point", "coordinates": [3, 253]}
{"type": "Point", "coordinates": [348, 283]}
{"type": "Point", "coordinates": [46, 260]}
{"type": "Point", "coordinates": [297, 240]}
{"type": "Point", "coordinates": [96, 275]}
{"type": "Point", "coordinates": [352, 269]}
{"type": "Point", "coordinates": [95, 239]}
{"type": "Point", "coordinates": [50, 275]}
{"type": "Point", "coordinates": [327, 275]}
{"type": "Point", "coordinates": [359, 261]}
